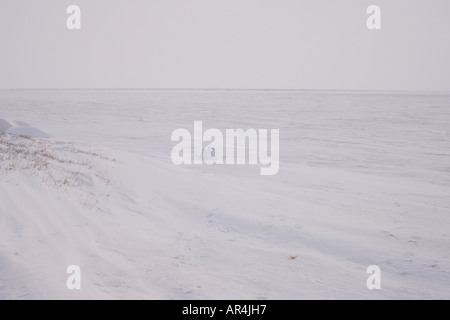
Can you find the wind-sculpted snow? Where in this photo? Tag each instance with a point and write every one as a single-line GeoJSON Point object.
{"type": "Point", "coordinates": [357, 187]}
{"type": "Point", "coordinates": [21, 129]}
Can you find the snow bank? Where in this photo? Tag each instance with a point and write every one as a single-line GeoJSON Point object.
{"type": "Point", "coordinates": [139, 228]}
{"type": "Point", "coordinates": [21, 129]}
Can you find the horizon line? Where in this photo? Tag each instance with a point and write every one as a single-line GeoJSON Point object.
{"type": "Point", "coordinates": [238, 89]}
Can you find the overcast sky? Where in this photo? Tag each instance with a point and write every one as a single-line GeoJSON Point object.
{"type": "Point", "coordinates": [278, 44]}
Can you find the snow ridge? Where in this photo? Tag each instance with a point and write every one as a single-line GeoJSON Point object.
{"type": "Point", "coordinates": [21, 129]}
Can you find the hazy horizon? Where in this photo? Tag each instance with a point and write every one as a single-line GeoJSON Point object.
{"type": "Point", "coordinates": [445, 92]}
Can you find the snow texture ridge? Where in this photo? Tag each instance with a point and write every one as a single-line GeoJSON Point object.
{"type": "Point", "coordinates": [21, 129]}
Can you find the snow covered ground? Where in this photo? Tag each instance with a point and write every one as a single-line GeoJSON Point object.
{"type": "Point", "coordinates": [364, 180]}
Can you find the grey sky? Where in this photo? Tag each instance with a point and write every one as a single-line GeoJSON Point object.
{"type": "Point", "coordinates": [280, 44]}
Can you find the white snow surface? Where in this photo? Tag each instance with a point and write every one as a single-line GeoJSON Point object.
{"type": "Point", "coordinates": [364, 180]}
{"type": "Point", "coordinates": [21, 129]}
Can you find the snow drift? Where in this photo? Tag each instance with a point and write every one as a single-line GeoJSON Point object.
{"type": "Point", "coordinates": [364, 181]}
{"type": "Point", "coordinates": [21, 129]}
{"type": "Point", "coordinates": [139, 228]}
